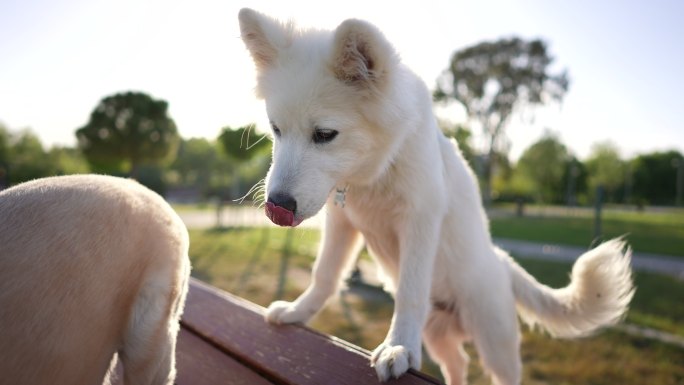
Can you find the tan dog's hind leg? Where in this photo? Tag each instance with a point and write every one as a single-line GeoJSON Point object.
{"type": "Point", "coordinates": [149, 345]}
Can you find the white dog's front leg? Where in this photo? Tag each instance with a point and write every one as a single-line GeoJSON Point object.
{"type": "Point", "coordinates": [341, 242]}
{"type": "Point", "coordinates": [402, 346]}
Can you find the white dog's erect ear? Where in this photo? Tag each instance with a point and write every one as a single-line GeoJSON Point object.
{"type": "Point", "coordinates": [263, 36]}
{"type": "Point", "coordinates": [362, 55]}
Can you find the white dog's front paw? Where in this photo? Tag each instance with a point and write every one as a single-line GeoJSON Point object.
{"type": "Point", "coordinates": [282, 312]}
{"type": "Point", "coordinates": [394, 360]}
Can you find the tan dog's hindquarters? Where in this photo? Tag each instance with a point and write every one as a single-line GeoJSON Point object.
{"type": "Point", "coordinates": [90, 267]}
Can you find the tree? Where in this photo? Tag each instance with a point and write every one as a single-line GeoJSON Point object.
{"type": "Point", "coordinates": [495, 80]}
{"type": "Point", "coordinates": [22, 158]}
{"type": "Point", "coordinates": [27, 159]}
{"type": "Point", "coordinates": [463, 137]}
{"type": "Point", "coordinates": [240, 147]}
{"type": "Point", "coordinates": [575, 177]}
{"type": "Point", "coordinates": [127, 130]}
{"type": "Point", "coordinates": [194, 161]}
{"type": "Point", "coordinates": [606, 168]}
{"type": "Point", "coordinates": [201, 164]}
{"type": "Point", "coordinates": [544, 163]}
{"type": "Point", "coordinates": [68, 160]}
{"type": "Point", "coordinates": [655, 177]}
{"type": "Point", "coordinates": [4, 156]}
{"type": "Point", "coordinates": [4, 143]}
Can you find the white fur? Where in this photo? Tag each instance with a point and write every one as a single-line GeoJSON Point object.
{"type": "Point", "coordinates": [91, 268]}
{"type": "Point", "coordinates": [413, 199]}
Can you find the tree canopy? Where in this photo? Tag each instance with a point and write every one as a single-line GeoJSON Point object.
{"type": "Point", "coordinates": [127, 130]}
{"type": "Point", "coordinates": [544, 163]}
{"type": "Point", "coordinates": [239, 144]}
{"type": "Point", "coordinates": [654, 177]}
{"type": "Point", "coordinates": [606, 168]}
{"type": "Point", "coordinates": [27, 158]}
{"type": "Point", "coordinates": [494, 80]}
{"type": "Point", "coordinates": [242, 147]}
{"type": "Point", "coordinates": [463, 137]}
{"type": "Point", "coordinates": [22, 158]}
{"type": "Point", "coordinates": [195, 161]}
{"type": "Point", "coordinates": [4, 156]}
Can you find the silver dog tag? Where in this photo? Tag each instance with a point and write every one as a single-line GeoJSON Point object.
{"type": "Point", "coordinates": [341, 196]}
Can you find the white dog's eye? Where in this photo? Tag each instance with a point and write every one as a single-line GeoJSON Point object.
{"type": "Point", "coordinates": [276, 130]}
{"type": "Point", "coordinates": [323, 135]}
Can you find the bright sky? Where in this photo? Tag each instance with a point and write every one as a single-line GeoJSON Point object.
{"type": "Point", "coordinates": [58, 58]}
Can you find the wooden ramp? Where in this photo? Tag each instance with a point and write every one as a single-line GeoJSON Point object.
{"type": "Point", "coordinates": [225, 340]}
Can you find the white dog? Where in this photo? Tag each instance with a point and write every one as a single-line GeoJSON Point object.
{"type": "Point", "coordinates": [90, 266]}
{"type": "Point", "coordinates": [354, 128]}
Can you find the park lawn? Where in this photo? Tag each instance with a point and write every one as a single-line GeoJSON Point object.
{"type": "Point", "coordinates": [248, 261]}
{"type": "Point", "coordinates": [245, 260]}
{"type": "Point", "coordinates": [661, 233]}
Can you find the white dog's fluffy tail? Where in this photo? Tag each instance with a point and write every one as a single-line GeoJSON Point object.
{"type": "Point", "coordinates": [598, 294]}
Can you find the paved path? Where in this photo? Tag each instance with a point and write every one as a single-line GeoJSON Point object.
{"type": "Point", "coordinates": [250, 216]}
{"type": "Point", "coordinates": [657, 263]}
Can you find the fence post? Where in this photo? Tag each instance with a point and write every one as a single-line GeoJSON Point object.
{"type": "Point", "coordinates": [679, 182]}
{"type": "Point", "coordinates": [219, 212]}
{"type": "Point", "coordinates": [597, 212]}
{"type": "Point", "coordinates": [284, 264]}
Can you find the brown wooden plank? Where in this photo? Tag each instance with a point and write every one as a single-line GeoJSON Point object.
{"type": "Point", "coordinates": [285, 354]}
{"type": "Point", "coordinates": [199, 363]}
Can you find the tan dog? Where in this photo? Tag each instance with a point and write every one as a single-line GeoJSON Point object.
{"type": "Point", "coordinates": [91, 267]}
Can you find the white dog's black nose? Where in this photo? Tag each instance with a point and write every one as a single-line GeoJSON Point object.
{"type": "Point", "coordinates": [283, 200]}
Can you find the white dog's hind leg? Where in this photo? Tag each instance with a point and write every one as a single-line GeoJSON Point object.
{"type": "Point", "coordinates": [444, 342]}
{"type": "Point", "coordinates": [341, 243]}
{"type": "Point", "coordinates": [493, 325]}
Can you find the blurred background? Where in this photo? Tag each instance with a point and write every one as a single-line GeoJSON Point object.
{"type": "Point", "coordinates": [569, 112]}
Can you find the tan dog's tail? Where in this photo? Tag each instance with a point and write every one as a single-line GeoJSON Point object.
{"type": "Point", "coordinates": [598, 295]}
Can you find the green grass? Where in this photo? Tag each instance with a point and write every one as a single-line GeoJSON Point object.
{"type": "Point", "coordinates": [607, 359]}
{"type": "Point", "coordinates": [246, 262]}
{"type": "Point", "coordinates": [647, 232]}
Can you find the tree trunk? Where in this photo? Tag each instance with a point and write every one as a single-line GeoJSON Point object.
{"type": "Point", "coordinates": [135, 170]}
{"type": "Point", "coordinates": [488, 168]}
{"type": "Point", "coordinates": [487, 179]}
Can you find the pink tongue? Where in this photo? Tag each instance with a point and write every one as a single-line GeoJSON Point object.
{"type": "Point", "coordinates": [280, 216]}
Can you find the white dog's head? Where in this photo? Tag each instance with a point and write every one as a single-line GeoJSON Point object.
{"type": "Point", "coordinates": [329, 98]}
